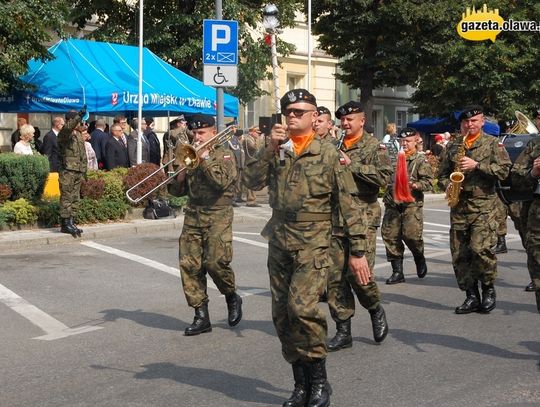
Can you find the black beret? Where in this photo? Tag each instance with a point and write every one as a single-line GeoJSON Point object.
{"type": "Point", "coordinates": [324, 110]}
{"type": "Point", "coordinates": [200, 121]}
{"type": "Point", "coordinates": [536, 113]}
{"type": "Point", "coordinates": [470, 111]}
{"type": "Point", "coordinates": [348, 108]}
{"type": "Point", "coordinates": [407, 132]}
{"type": "Point", "coordinates": [297, 96]}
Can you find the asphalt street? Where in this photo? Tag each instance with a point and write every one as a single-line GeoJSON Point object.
{"type": "Point", "coordinates": [100, 321]}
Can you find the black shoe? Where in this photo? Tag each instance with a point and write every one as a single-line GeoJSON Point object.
{"type": "Point", "coordinates": [240, 200]}
{"type": "Point", "coordinates": [320, 390]}
{"type": "Point", "coordinates": [343, 338]}
{"type": "Point", "coordinates": [78, 229]}
{"type": "Point", "coordinates": [236, 204]}
{"type": "Point", "coordinates": [324, 297]}
{"type": "Point", "coordinates": [300, 394]}
{"type": "Point", "coordinates": [67, 227]}
{"type": "Point", "coordinates": [421, 266]}
{"type": "Point", "coordinates": [201, 322]}
{"type": "Point", "coordinates": [397, 272]}
{"type": "Point", "coordinates": [530, 287]}
{"type": "Point", "coordinates": [472, 302]}
{"type": "Point", "coordinates": [379, 324]}
{"type": "Point", "coordinates": [234, 307]}
{"type": "Point", "coordinates": [488, 298]}
{"type": "Point", "coordinates": [501, 245]}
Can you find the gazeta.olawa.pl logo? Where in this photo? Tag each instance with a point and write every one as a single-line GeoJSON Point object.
{"type": "Point", "coordinates": [486, 24]}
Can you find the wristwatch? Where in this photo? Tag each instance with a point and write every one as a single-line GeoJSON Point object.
{"type": "Point", "coordinates": [357, 253]}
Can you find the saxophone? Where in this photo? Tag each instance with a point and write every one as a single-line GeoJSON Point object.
{"type": "Point", "coordinates": [457, 177]}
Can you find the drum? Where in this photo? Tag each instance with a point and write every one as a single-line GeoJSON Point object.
{"type": "Point", "coordinates": [514, 144]}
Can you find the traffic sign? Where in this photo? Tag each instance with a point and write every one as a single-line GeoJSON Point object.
{"type": "Point", "coordinates": [220, 42]}
{"type": "Point", "coordinates": [220, 76]}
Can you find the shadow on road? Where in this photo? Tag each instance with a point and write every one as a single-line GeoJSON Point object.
{"type": "Point", "coordinates": [150, 319]}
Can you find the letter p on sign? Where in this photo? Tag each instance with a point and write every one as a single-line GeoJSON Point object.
{"type": "Point", "coordinates": [221, 34]}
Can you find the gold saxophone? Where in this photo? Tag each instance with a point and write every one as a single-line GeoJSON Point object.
{"type": "Point", "coordinates": [456, 178]}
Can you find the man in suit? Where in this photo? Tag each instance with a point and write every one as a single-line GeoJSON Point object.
{"type": "Point", "coordinates": [153, 142]}
{"type": "Point", "coordinates": [116, 152]}
{"type": "Point", "coordinates": [50, 143]}
{"type": "Point", "coordinates": [132, 140]}
{"type": "Point", "coordinates": [98, 141]}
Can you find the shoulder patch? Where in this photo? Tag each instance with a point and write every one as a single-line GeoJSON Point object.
{"type": "Point", "coordinates": [501, 144]}
{"type": "Point", "coordinates": [227, 157]}
{"type": "Point", "coordinates": [382, 146]}
{"type": "Point", "coordinates": [342, 160]}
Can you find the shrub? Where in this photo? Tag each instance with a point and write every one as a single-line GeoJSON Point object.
{"type": "Point", "coordinates": [25, 174]}
{"type": "Point", "coordinates": [113, 187]}
{"type": "Point", "coordinates": [48, 213]}
{"type": "Point", "coordinates": [5, 193]}
{"type": "Point", "coordinates": [101, 210]}
{"type": "Point", "coordinates": [177, 201]}
{"type": "Point", "coordinates": [92, 188]}
{"type": "Point", "coordinates": [138, 173]}
{"type": "Point", "coordinates": [19, 212]}
{"type": "Point", "coordinates": [4, 218]}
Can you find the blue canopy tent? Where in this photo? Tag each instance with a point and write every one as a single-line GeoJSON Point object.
{"type": "Point", "coordinates": [440, 125]}
{"type": "Point", "coordinates": [104, 76]}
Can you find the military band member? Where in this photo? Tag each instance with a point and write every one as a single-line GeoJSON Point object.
{"type": "Point", "coordinates": [324, 124]}
{"type": "Point", "coordinates": [303, 190]}
{"type": "Point", "coordinates": [526, 174]}
{"type": "Point", "coordinates": [473, 224]}
{"type": "Point", "coordinates": [404, 222]}
{"type": "Point", "coordinates": [206, 239]}
{"type": "Point", "coordinates": [369, 162]}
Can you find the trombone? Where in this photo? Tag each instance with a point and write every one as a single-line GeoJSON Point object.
{"type": "Point", "coordinates": [185, 154]}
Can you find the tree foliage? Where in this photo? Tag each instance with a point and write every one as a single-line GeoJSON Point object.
{"type": "Point", "coordinates": [25, 28]}
{"type": "Point", "coordinates": [402, 42]}
{"type": "Point", "coordinates": [173, 30]}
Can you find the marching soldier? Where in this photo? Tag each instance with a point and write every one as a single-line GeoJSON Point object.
{"type": "Point", "coordinates": [473, 225]}
{"type": "Point", "coordinates": [526, 174]}
{"type": "Point", "coordinates": [206, 239]}
{"type": "Point", "coordinates": [371, 168]}
{"type": "Point", "coordinates": [303, 189]}
{"type": "Point", "coordinates": [502, 214]}
{"type": "Point", "coordinates": [403, 222]}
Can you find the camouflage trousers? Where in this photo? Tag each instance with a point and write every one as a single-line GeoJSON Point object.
{"type": "Point", "coordinates": [206, 250]}
{"type": "Point", "coordinates": [533, 246]}
{"type": "Point", "coordinates": [501, 214]}
{"type": "Point", "coordinates": [70, 192]}
{"type": "Point", "coordinates": [403, 225]}
{"type": "Point", "coordinates": [297, 280]}
{"type": "Point", "coordinates": [472, 236]}
{"type": "Point", "coordinates": [341, 280]}
{"type": "Point", "coordinates": [518, 212]}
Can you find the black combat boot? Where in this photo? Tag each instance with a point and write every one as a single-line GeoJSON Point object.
{"type": "Point", "coordinates": [234, 306]}
{"type": "Point", "coordinates": [501, 245]}
{"type": "Point", "coordinates": [67, 227]}
{"type": "Point", "coordinates": [201, 322]}
{"type": "Point", "coordinates": [397, 272]}
{"type": "Point", "coordinates": [472, 302]}
{"type": "Point", "coordinates": [379, 323]}
{"type": "Point", "coordinates": [320, 389]}
{"type": "Point", "coordinates": [343, 338]}
{"type": "Point", "coordinates": [421, 266]}
{"type": "Point", "coordinates": [530, 287]}
{"type": "Point", "coordinates": [78, 229]}
{"type": "Point", "coordinates": [300, 394]}
{"type": "Point", "coordinates": [324, 296]}
{"type": "Point", "coordinates": [488, 298]}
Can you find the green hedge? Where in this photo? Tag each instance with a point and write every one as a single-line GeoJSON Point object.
{"type": "Point", "coordinates": [24, 174]}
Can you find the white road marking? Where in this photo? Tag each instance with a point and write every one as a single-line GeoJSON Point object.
{"type": "Point", "coordinates": [437, 224]}
{"type": "Point", "coordinates": [437, 210]}
{"type": "Point", "coordinates": [53, 328]}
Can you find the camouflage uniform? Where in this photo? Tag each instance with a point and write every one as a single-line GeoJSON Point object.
{"type": "Point", "coordinates": [206, 239]}
{"type": "Point", "coordinates": [73, 167]}
{"type": "Point", "coordinates": [521, 175]}
{"type": "Point", "coordinates": [404, 222]}
{"type": "Point", "coordinates": [501, 215]}
{"type": "Point", "coordinates": [303, 193]}
{"type": "Point", "coordinates": [371, 170]}
{"type": "Point", "coordinates": [473, 230]}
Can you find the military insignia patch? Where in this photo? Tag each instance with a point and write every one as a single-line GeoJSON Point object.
{"type": "Point", "coordinates": [382, 146]}
{"type": "Point", "coordinates": [226, 157]}
{"type": "Point", "coordinates": [292, 97]}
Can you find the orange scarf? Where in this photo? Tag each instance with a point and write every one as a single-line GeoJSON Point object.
{"type": "Point", "coordinates": [409, 153]}
{"type": "Point", "coordinates": [469, 141]}
{"type": "Point", "coordinates": [351, 140]}
{"type": "Point", "coordinates": [302, 142]}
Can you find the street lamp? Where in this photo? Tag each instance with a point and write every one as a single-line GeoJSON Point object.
{"type": "Point", "coordinates": [271, 24]}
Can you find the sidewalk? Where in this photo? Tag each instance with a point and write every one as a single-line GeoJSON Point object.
{"type": "Point", "coordinates": [23, 239]}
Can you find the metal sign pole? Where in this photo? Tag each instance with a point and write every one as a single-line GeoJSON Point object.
{"type": "Point", "coordinates": [219, 91]}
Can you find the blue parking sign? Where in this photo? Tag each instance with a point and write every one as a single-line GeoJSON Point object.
{"type": "Point", "coordinates": [220, 42]}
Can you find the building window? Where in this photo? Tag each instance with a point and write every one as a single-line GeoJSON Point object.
{"type": "Point", "coordinates": [294, 82]}
{"type": "Point", "coordinates": [401, 119]}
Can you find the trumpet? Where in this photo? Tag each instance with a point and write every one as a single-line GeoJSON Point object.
{"type": "Point", "coordinates": [187, 156]}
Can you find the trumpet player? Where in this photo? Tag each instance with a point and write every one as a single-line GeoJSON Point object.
{"type": "Point", "coordinates": [482, 160]}
{"type": "Point", "coordinates": [206, 239]}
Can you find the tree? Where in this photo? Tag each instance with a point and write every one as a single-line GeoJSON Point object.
{"type": "Point", "coordinates": [173, 30]}
{"type": "Point", "coordinates": [25, 28]}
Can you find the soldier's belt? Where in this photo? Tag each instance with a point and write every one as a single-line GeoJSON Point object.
{"type": "Point", "coordinates": [223, 201]}
{"type": "Point", "coordinates": [301, 216]}
{"type": "Point", "coordinates": [476, 192]}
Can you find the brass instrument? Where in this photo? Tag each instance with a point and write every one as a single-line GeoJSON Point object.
{"type": "Point", "coordinates": [457, 177]}
{"type": "Point", "coordinates": [187, 156]}
{"type": "Point", "coordinates": [523, 125]}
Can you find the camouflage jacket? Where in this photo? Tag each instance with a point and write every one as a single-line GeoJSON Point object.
{"type": "Point", "coordinates": [71, 148]}
{"type": "Point", "coordinates": [420, 172]}
{"type": "Point", "coordinates": [478, 194]}
{"type": "Point", "coordinates": [303, 190]}
{"type": "Point", "coordinates": [521, 171]}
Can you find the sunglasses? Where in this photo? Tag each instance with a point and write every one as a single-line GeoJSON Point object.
{"type": "Point", "coordinates": [298, 113]}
